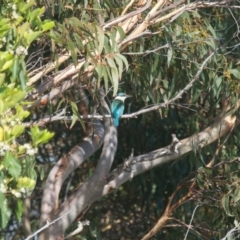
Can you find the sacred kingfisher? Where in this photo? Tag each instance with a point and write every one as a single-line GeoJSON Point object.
{"type": "Point", "coordinates": [117, 107]}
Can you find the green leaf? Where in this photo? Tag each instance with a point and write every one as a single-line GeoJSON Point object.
{"type": "Point", "coordinates": [225, 204]}
{"type": "Point", "coordinates": [169, 56]}
{"type": "Point", "coordinates": [40, 136]}
{"type": "Point", "coordinates": [112, 41]}
{"type": "Point", "coordinates": [47, 25]}
{"type": "Point", "coordinates": [106, 44]}
{"type": "Point", "coordinates": [218, 82]}
{"type": "Point", "coordinates": [155, 64]}
{"type": "Point", "coordinates": [12, 164]}
{"type": "Point", "coordinates": [172, 88]}
{"type": "Point", "coordinates": [111, 62]}
{"type": "Point", "coordinates": [15, 68]}
{"type": "Point", "coordinates": [22, 114]}
{"type": "Point", "coordinates": [120, 65]}
{"type": "Point", "coordinates": [236, 195]}
{"type": "Point", "coordinates": [123, 59]}
{"type": "Point", "coordinates": [100, 37]}
{"type": "Point", "coordinates": [74, 120]}
{"type": "Point", "coordinates": [41, 172]}
{"type": "Point", "coordinates": [83, 26]}
{"type": "Point", "coordinates": [18, 130]}
{"type": "Point", "coordinates": [78, 40]}
{"type": "Point", "coordinates": [22, 30]}
{"type": "Point", "coordinates": [5, 211]}
{"type": "Point", "coordinates": [12, 99]}
{"type": "Point", "coordinates": [99, 69]}
{"type": "Point", "coordinates": [210, 28]}
{"type": "Point", "coordinates": [22, 78]}
{"type": "Point", "coordinates": [235, 73]}
{"type": "Point", "coordinates": [73, 50]}
{"type": "Point", "coordinates": [32, 36]}
{"type": "Point", "coordinates": [19, 209]}
{"type": "Point", "coordinates": [2, 78]}
{"type": "Point", "coordinates": [33, 176]}
{"type": "Point", "coordinates": [25, 6]}
{"type": "Point", "coordinates": [105, 77]}
{"type": "Point", "coordinates": [7, 65]}
{"type": "Point", "coordinates": [120, 32]}
{"type": "Point", "coordinates": [114, 80]}
{"type": "Point", "coordinates": [4, 21]}
{"type": "Point", "coordinates": [211, 43]}
{"type": "Point", "coordinates": [77, 115]}
{"type": "Point", "coordinates": [200, 181]}
{"type": "Point", "coordinates": [35, 14]}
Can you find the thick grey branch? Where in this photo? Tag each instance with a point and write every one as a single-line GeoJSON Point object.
{"type": "Point", "coordinates": [87, 193]}
{"type": "Point", "coordinates": [65, 166]}
{"type": "Point", "coordinates": [140, 164]}
{"type": "Point", "coordinates": [95, 188]}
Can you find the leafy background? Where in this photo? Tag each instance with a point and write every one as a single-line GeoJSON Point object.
{"type": "Point", "coordinates": [153, 68]}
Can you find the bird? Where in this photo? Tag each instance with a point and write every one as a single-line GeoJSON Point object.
{"type": "Point", "coordinates": [117, 107]}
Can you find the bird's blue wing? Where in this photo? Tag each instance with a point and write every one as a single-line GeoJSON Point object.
{"type": "Point", "coordinates": [117, 108]}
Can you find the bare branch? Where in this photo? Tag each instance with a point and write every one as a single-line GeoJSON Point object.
{"type": "Point", "coordinates": [148, 161]}
{"type": "Point", "coordinates": [188, 7]}
{"type": "Point", "coordinates": [48, 68]}
{"type": "Point", "coordinates": [78, 201]}
{"type": "Point", "coordinates": [190, 224]}
{"type": "Point", "coordinates": [147, 51]}
{"type": "Point", "coordinates": [65, 166]}
{"type": "Point", "coordinates": [127, 16]}
{"type": "Point", "coordinates": [127, 7]}
{"type": "Point", "coordinates": [47, 225]}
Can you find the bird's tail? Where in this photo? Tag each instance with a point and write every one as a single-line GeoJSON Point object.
{"type": "Point", "coordinates": [115, 122]}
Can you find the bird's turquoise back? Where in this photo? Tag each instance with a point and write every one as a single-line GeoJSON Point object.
{"type": "Point", "coordinates": [117, 108]}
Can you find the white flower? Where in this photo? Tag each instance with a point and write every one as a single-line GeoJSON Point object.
{"type": "Point", "coordinates": [6, 147]}
{"type": "Point", "coordinates": [18, 120]}
{"type": "Point", "coordinates": [21, 51]}
{"type": "Point", "coordinates": [14, 7]}
{"type": "Point", "coordinates": [27, 146]}
{"type": "Point", "coordinates": [2, 152]}
{"type": "Point", "coordinates": [16, 193]}
{"type": "Point", "coordinates": [12, 123]}
{"type": "Point", "coordinates": [5, 181]}
{"type": "Point", "coordinates": [23, 190]}
{"type": "Point", "coordinates": [3, 188]}
{"type": "Point", "coordinates": [4, 39]}
{"type": "Point", "coordinates": [31, 152]}
{"type": "Point", "coordinates": [15, 15]}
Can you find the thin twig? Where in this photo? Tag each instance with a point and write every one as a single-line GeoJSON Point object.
{"type": "Point", "coordinates": [47, 225]}
{"type": "Point", "coordinates": [190, 224]}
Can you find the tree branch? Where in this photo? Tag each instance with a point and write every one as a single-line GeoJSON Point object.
{"type": "Point", "coordinates": [127, 16]}
{"type": "Point", "coordinates": [65, 166]}
{"type": "Point", "coordinates": [132, 115]}
{"type": "Point", "coordinates": [83, 197]}
{"type": "Point", "coordinates": [148, 161]}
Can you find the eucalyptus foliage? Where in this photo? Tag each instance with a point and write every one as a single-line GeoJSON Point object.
{"type": "Point", "coordinates": [178, 59]}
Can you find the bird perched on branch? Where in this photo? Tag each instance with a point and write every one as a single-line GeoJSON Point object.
{"type": "Point", "coordinates": [117, 107]}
